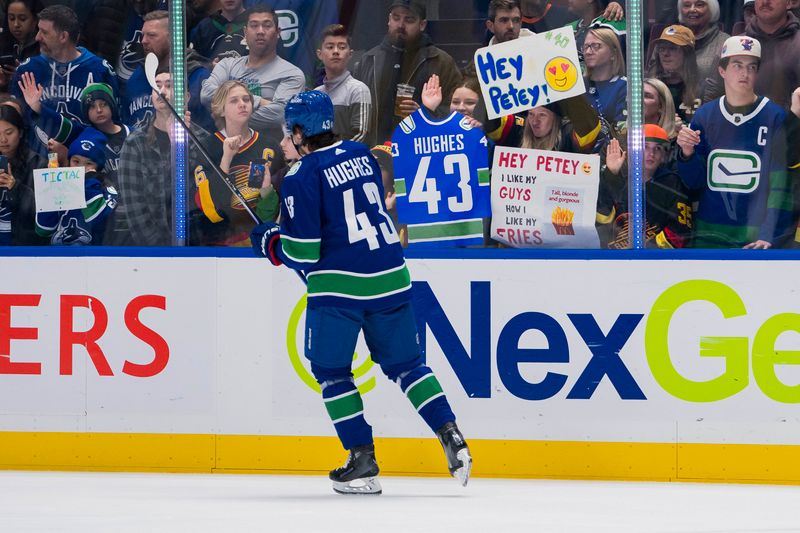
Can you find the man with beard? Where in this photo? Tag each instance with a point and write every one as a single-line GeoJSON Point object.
{"type": "Point", "coordinates": [62, 69]}
{"type": "Point", "coordinates": [137, 107]}
{"type": "Point", "coordinates": [271, 79]}
{"type": "Point", "coordinates": [112, 29]}
{"type": "Point", "coordinates": [505, 21]}
{"type": "Point", "coordinates": [778, 31]}
{"type": "Point", "coordinates": [405, 56]}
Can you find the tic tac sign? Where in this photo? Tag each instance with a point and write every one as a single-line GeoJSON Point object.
{"type": "Point", "coordinates": [529, 72]}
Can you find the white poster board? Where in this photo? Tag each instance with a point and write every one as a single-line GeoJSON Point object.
{"type": "Point", "coordinates": [59, 189]}
{"type": "Point", "coordinates": [543, 199]}
{"type": "Point", "coordinates": [528, 72]}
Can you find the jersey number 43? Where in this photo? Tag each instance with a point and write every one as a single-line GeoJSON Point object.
{"type": "Point", "coordinates": [359, 226]}
{"type": "Point", "coordinates": [423, 189]}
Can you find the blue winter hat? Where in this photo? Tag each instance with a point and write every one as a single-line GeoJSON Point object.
{"type": "Point", "coordinates": [90, 144]}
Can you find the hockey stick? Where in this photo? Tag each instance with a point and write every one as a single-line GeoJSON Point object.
{"type": "Point", "coordinates": [150, 68]}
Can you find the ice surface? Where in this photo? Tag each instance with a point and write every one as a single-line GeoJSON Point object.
{"type": "Point", "coordinates": [112, 502]}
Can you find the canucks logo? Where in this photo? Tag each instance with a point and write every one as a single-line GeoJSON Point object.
{"type": "Point", "coordinates": [733, 171]}
{"type": "Point", "coordinates": [131, 56]}
{"type": "Point", "coordinates": [289, 23]}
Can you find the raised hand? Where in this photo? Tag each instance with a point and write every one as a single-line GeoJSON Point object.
{"type": "Point", "coordinates": [31, 91]}
{"type": "Point", "coordinates": [615, 157]}
{"type": "Point", "coordinates": [614, 12]}
{"type": "Point", "coordinates": [432, 93]}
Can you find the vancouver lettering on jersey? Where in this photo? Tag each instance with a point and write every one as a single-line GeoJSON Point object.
{"type": "Point", "coordinates": [439, 143]}
{"type": "Point", "coordinates": [347, 171]}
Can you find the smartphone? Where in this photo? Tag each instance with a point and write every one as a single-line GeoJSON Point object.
{"type": "Point", "coordinates": [3, 163]}
{"type": "Point", "coordinates": [8, 61]}
{"type": "Point", "coordinates": [256, 176]}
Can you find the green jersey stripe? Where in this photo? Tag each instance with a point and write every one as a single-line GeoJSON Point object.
{"type": "Point", "coordinates": [424, 390]}
{"type": "Point", "coordinates": [358, 286]}
{"type": "Point", "coordinates": [345, 406]}
{"type": "Point", "coordinates": [301, 250]}
{"type": "Point", "coordinates": [483, 176]}
{"type": "Point", "coordinates": [456, 229]}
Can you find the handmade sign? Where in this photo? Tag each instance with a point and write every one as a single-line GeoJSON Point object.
{"type": "Point", "coordinates": [544, 199]}
{"type": "Point", "coordinates": [531, 71]}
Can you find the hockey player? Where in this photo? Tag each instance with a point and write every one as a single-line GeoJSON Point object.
{"type": "Point", "coordinates": [734, 154]}
{"type": "Point", "coordinates": [336, 229]}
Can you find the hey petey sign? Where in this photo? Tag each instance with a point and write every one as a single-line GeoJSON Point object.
{"type": "Point", "coordinates": [528, 72]}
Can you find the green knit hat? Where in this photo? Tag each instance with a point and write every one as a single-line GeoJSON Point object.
{"type": "Point", "coordinates": [99, 91]}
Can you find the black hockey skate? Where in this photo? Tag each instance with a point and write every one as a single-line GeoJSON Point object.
{"type": "Point", "coordinates": [459, 461]}
{"type": "Point", "coordinates": [359, 475]}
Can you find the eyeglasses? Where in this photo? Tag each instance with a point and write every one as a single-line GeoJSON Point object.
{"type": "Point", "coordinates": [594, 47]}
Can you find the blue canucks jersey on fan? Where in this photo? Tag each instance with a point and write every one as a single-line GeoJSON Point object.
{"type": "Point", "coordinates": [740, 166]}
{"type": "Point", "coordinates": [441, 180]}
{"type": "Point", "coordinates": [334, 226]}
{"type": "Point", "coordinates": [62, 84]}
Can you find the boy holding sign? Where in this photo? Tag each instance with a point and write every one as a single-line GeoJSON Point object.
{"type": "Point", "coordinates": [84, 226]}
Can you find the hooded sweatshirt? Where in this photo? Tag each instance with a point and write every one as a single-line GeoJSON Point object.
{"type": "Point", "coordinates": [63, 84]}
{"type": "Point", "coordinates": [779, 73]}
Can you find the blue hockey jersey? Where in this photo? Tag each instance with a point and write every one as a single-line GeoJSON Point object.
{"type": "Point", "coordinates": [63, 84]}
{"type": "Point", "coordinates": [334, 226]}
{"type": "Point", "coordinates": [441, 173]}
{"type": "Point", "coordinates": [740, 169]}
{"type": "Point", "coordinates": [81, 227]}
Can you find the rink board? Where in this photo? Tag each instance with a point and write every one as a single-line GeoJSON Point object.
{"type": "Point", "coordinates": [195, 364]}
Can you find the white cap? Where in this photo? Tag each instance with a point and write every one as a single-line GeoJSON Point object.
{"type": "Point", "coordinates": [749, 2]}
{"type": "Point", "coordinates": [741, 45]}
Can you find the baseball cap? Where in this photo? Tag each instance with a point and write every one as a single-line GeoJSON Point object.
{"type": "Point", "coordinates": [415, 6]}
{"type": "Point", "coordinates": [655, 133]}
{"type": "Point", "coordinates": [677, 34]}
{"type": "Point", "coordinates": [741, 45]}
{"type": "Point", "coordinates": [748, 2]}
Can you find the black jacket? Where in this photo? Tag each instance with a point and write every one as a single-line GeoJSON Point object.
{"type": "Point", "coordinates": [382, 78]}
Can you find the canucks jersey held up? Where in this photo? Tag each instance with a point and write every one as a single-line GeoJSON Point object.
{"type": "Point", "coordinates": [441, 174]}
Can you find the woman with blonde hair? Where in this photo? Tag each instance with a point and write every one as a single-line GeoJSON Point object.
{"type": "Point", "coordinates": [659, 108]}
{"type": "Point", "coordinates": [248, 158]}
{"type": "Point", "coordinates": [606, 85]}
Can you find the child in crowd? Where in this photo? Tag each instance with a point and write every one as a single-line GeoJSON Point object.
{"type": "Point", "coordinates": [83, 226]}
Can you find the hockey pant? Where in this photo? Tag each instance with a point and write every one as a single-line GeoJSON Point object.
{"type": "Point", "coordinates": [391, 336]}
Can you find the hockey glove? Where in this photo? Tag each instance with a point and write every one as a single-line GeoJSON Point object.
{"type": "Point", "coordinates": [264, 238]}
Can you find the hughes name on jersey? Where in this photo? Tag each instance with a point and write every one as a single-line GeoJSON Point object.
{"type": "Point", "coordinates": [334, 226]}
{"type": "Point", "coordinates": [740, 169]}
{"type": "Point", "coordinates": [441, 172]}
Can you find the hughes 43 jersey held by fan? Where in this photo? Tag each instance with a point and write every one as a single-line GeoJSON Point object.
{"type": "Point", "coordinates": [441, 172]}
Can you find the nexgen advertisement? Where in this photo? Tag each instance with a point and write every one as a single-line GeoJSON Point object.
{"type": "Point", "coordinates": [638, 351]}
